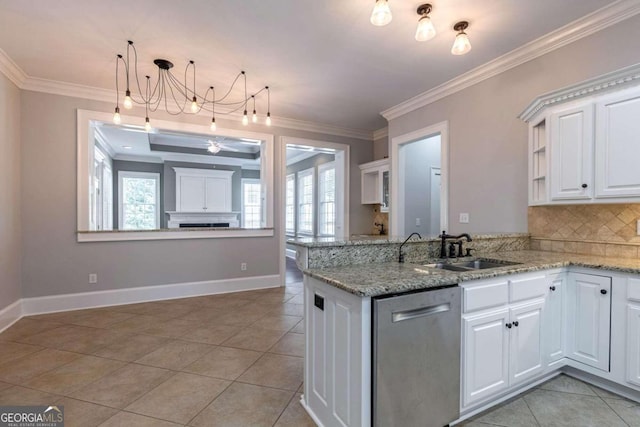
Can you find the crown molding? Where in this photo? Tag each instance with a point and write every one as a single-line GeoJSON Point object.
{"type": "Point", "coordinates": [615, 80]}
{"type": "Point", "coordinates": [25, 82]}
{"type": "Point", "coordinates": [580, 28]}
{"type": "Point", "coordinates": [381, 133]}
{"type": "Point", "coordinates": [11, 70]}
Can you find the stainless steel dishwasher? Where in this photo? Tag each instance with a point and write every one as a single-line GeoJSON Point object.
{"type": "Point", "coordinates": [416, 359]}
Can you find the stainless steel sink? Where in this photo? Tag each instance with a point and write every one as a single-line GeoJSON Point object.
{"type": "Point", "coordinates": [478, 264]}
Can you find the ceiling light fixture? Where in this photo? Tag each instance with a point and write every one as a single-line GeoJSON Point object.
{"type": "Point", "coordinates": [461, 45]}
{"type": "Point", "coordinates": [426, 30]}
{"type": "Point", "coordinates": [174, 94]}
{"type": "Point", "coordinates": [381, 14]}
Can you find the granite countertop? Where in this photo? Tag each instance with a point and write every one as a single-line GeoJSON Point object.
{"type": "Point", "coordinates": [393, 277]}
{"type": "Point", "coordinates": [319, 242]}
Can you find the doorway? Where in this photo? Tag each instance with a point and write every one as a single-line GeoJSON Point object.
{"type": "Point", "coordinates": [315, 195]}
{"type": "Point", "coordinates": [419, 195]}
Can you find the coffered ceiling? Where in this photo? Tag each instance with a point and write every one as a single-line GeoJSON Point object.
{"type": "Point", "coordinates": [324, 60]}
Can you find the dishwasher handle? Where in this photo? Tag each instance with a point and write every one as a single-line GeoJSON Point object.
{"type": "Point", "coordinates": [400, 316]}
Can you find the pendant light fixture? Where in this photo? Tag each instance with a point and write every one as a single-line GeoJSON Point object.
{"type": "Point", "coordinates": [426, 30]}
{"type": "Point", "coordinates": [381, 14]}
{"type": "Point", "coordinates": [268, 120]}
{"type": "Point", "coordinates": [461, 45]}
{"type": "Point", "coordinates": [176, 95]}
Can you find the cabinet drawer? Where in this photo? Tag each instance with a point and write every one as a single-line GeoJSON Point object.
{"type": "Point", "coordinates": [485, 295]}
{"type": "Point", "coordinates": [633, 289]}
{"type": "Point", "coordinates": [528, 288]}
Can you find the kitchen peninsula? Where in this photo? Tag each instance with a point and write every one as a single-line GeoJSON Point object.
{"type": "Point", "coordinates": [539, 314]}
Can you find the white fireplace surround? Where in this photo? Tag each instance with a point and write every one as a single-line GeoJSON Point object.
{"type": "Point", "coordinates": [177, 218]}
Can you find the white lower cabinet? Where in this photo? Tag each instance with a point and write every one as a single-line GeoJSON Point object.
{"type": "Point", "coordinates": [486, 355]}
{"type": "Point", "coordinates": [633, 343]}
{"type": "Point", "coordinates": [526, 356]}
{"type": "Point", "coordinates": [502, 346]}
{"type": "Point", "coordinates": [337, 384]}
{"type": "Point", "coordinates": [555, 320]}
{"type": "Point", "coordinates": [589, 319]}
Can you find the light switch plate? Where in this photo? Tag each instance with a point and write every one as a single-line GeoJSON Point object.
{"type": "Point", "coordinates": [638, 228]}
{"type": "Point", "coordinates": [464, 218]}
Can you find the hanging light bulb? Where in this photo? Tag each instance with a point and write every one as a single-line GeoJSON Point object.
{"type": "Point", "coordinates": [116, 116]}
{"type": "Point", "coordinates": [254, 116]}
{"type": "Point", "coordinates": [147, 124]}
{"type": "Point", "coordinates": [381, 14]}
{"type": "Point", "coordinates": [461, 45]}
{"type": "Point", "coordinates": [426, 30]}
{"type": "Point", "coordinates": [213, 124]}
{"type": "Point", "coordinates": [194, 105]}
{"type": "Point", "coordinates": [268, 120]}
{"type": "Point", "coordinates": [128, 102]}
{"type": "Point", "coordinates": [245, 119]}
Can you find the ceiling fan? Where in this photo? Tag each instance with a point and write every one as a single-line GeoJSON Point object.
{"type": "Point", "coordinates": [214, 146]}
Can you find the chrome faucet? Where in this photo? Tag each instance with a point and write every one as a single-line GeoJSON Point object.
{"type": "Point", "coordinates": [443, 242]}
{"type": "Point", "coordinates": [401, 256]}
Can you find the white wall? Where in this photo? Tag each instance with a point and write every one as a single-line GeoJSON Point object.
{"type": "Point", "coordinates": [54, 263]}
{"type": "Point", "coordinates": [10, 224]}
{"type": "Point", "coordinates": [487, 156]}
{"type": "Point", "coordinates": [419, 158]}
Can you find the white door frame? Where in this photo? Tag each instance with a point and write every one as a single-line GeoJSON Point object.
{"type": "Point", "coordinates": [342, 203]}
{"type": "Point", "coordinates": [396, 219]}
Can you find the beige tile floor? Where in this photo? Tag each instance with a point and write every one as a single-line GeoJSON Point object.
{"type": "Point", "coordinates": [223, 360]}
{"type": "Point", "coordinates": [561, 402]}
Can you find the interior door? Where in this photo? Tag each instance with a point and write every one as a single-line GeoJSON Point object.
{"type": "Point", "coordinates": [434, 202]}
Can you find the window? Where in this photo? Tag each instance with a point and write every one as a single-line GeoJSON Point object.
{"type": "Point", "coordinates": [138, 200]}
{"type": "Point", "coordinates": [327, 199]}
{"type": "Point", "coordinates": [251, 203]}
{"type": "Point", "coordinates": [290, 202]}
{"type": "Point", "coordinates": [305, 201]}
{"type": "Point", "coordinates": [101, 207]}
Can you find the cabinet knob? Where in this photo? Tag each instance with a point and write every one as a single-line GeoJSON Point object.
{"type": "Point", "coordinates": [553, 288]}
{"type": "Point", "coordinates": [508, 325]}
{"type": "Point", "coordinates": [584, 185]}
{"type": "Point", "coordinates": [603, 291]}
{"type": "Point", "coordinates": [516, 323]}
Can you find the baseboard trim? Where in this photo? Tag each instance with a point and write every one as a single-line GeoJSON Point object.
{"type": "Point", "coordinates": [310, 412]}
{"type": "Point", "coordinates": [10, 315]}
{"type": "Point", "coordinates": [84, 300]}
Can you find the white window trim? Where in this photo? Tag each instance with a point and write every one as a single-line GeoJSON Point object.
{"type": "Point", "coordinates": [244, 181]}
{"type": "Point", "coordinates": [301, 174]}
{"type": "Point", "coordinates": [290, 231]}
{"type": "Point", "coordinates": [145, 175]}
{"type": "Point", "coordinates": [321, 168]}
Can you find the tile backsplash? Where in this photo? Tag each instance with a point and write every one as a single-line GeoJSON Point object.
{"type": "Point", "coordinates": [586, 229]}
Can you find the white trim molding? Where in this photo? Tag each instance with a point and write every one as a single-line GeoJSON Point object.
{"type": "Point", "coordinates": [589, 24]}
{"type": "Point", "coordinates": [10, 315]}
{"type": "Point", "coordinates": [11, 70]}
{"type": "Point", "coordinates": [397, 164]}
{"type": "Point", "coordinates": [619, 79]}
{"type": "Point", "coordinates": [381, 133]}
{"type": "Point", "coordinates": [221, 233]}
{"type": "Point", "coordinates": [84, 300]}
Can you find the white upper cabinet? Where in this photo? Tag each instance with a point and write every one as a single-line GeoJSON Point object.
{"type": "Point", "coordinates": [618, 145]}
{"type": "Point", "coordinates": [203, 190]}
{"type": "Point", "coordinates": [584, 142]}
{"type": "Point", "coordinates": [375, 183]}
{"type": "Point", "coordinates": [571, 153]}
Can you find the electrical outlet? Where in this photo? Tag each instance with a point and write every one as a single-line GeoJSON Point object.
{"type": "Point", "coordinates": [418, 222]}
{"type": "Point", "coordinates": [464, 218]}
{"type": "Point", "coordinates": [638, 228]}
{"type": "Point", "coordinates": [93, 278]}
{"type": "Point", "coordinates": [243, 266]}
